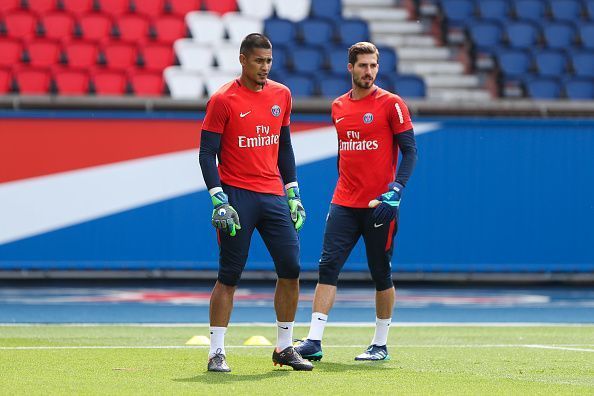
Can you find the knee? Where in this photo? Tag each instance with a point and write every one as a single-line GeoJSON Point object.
{"type": "Point", "coordinates": [289, 270]}
{"type": "Point", "coordinates": [382, 279]}
{"type": "Point", "coordinates": [229, 277]}
{"type": "Point", "coordinates": [328, 274]}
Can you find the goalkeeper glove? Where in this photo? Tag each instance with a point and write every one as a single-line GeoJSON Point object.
{"type": "Point", "coordinates": [296, 207]}
{"type": "Point", "coordinates": [224, 217]}
{"type": "Point", "coordinates": [386, 205]}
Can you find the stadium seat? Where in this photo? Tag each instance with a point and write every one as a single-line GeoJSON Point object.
{"type": "Point", "coordinates": [205, 27]}
{"type": "Point", "coordinates": [385, 82]}
{"type": "Point", "coordinates": [530, 10]}
{"type": "Point", "coordinates": [43, 53]}
{"type": "Point", "coordinates": [590, 9]}
{"type": "Point", "coordinates": [32, 81]}
{"type": "Point", "coordinates": [71, 82]}
{"type": "Point", "coordinates": [260, 9]}
{"type": "Point", "coordinates": [81, 54]}
{"type": "Point", "coordinates": [293, 10]}
{"type": "Point", "coordinates": [220, 6]}
{"type": "Point", "coordinates": [108, 82]}
{"type": "Point", "coordinates": [550, 63]}
{"type": "Point", "coordinates": [522, 34]}
{"type": "Point", "coordinates": [5, 81]}
{"type": "Point", "coordinates": [282, 31]}
{"type": "Point", "coordinates": [326, 9]}
{"type": "Point", "coordinates": [458, 12]}
{"type": "Point", "coordinates": [238, 26]}
{"type": "Point", "coordinates": [316, 32]}
{"type": "Point", "coordinates": [147, 84]}
{"type": "Point", "coordinates": [184, 84]}
{"type": "Point", "coordinates": [149, 8]}
{"type": "Point", "coordinates": [307, 59]}
{"type": "Point", "coordinates": [168, 28]}
{"type": "Point", "coordinates": [194, 56]}
{"type": "Point", "coordinates": [486, 36]}
{"type": "Point", "coordinates": [514, 63]}
{"type": "Point", "coordinates": [227, 57]}
{"type": "Point", "coordinates": [182, 7]}
{"type": "Point", "coordinates": [132, 28]}
{"type": "Point", "coordinates": [543, 88]}
{"type": "Point", "coordinates": [77, 7]}
{"type": "Point", "coordinates": [587, 35]}
{"type": "Point", "coordinates": [300, 86]}
{"type": "Point", "coordinates": [119, 56]}
{"type": "Point", "coordinates": [280, 59]}
{"type": "Point", "coordinates": [351, 31]}
{"type": "Point", "coordinates": [559, 35]}
{"type": "Point", "coordinates": [583, 63]}
{"type": "Point", "coordinates": [579, 89]}
{"type": "Point", "coordinates": [11, 52]}
{"type": "Point", "coordinates": [337, 60]}
{"type": "Point", "coordinates": [332, 86]}
{"type": "Point", "coordinates": [565, 10]}
{"type": "Point", "coordinates": [157, 57]}
{"type": "Point", "coordinates": [57, 25]}
{"type": "Point", "coordinates": [42, 6]}
{"type": "Point", "coordinates": [216, 80]}
{"type": "Point", "coordinates": [115, 8]}
{"type": "Point", "coordinates": [409, 86]}
{"type": "Point", "coordinates": [9, 5]}
{"type": "Point", "coordinates": [95, 27]}
{"type": "Point", "coordinates": [494, 9]}
{"type": "Point", "coordinates": [388, 61]}
{"type": "Point", "coordinates": [20, 24]}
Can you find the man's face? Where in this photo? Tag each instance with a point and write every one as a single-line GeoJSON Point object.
{"type": "Point", "coordinates": [256, 65]}
{"type": "Point", "coordinates": [364, 70]}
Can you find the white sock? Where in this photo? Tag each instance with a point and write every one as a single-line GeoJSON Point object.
{"type": "Point", "coordinates": [217, 340]}
{"type": "Point", "coordinates": [317, 326]}
{"type": "Point", "coordinates": [382, 326]}
{"type": "Point", "coordinates": [284, 334]}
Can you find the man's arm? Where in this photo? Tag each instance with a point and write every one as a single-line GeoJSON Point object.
{"type": "Point", "coordinates": [210, 144]}
{"type": "Point", "coordinates": [408, 147]}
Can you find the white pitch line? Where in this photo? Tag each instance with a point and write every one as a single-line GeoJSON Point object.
{"type": "Point", "coordinates": [306, 324]}
{"type": "Point", "coordinates": [562, 348]}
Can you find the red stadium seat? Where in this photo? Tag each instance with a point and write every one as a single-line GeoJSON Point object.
{"type": "Point", "coordinates": [157, 57]}
{"type": "Point", "coordinates": [169, 28]}
{"type": "Point", "coordinates": [133, 28]}
{"type": "Point", "coordinates": [109, 82]}
{"type": "Point", "coordinates": [95, 27]}
{"type": "Point", "coordinates": [182, 7]}
{"type": "Point", "coordinates": [32, 81]}
{"type": "Point", "coordinates": [81, 54]}
{"type": "Point", "coordinates": [150, 8]}
{"type": "Point", "coordinates": [43, 53]}
{"type": "Point", "coordinates": [57, 25]}
{"type": "Point", "coordinates": [71, 82]}
{"type": "Point", "coordinates": [220, 6]}
{"type": "Point", "coordinates": [120, 56]}
{"type": "Point", "coordinates": [5, 81]}
{"type": "Point", "coordinates": [77, 7]}
{"type": "Point", "coordinates": [147, 84]}
{"type": "Point", "coordinates": [9, 5]}
{"type": "Point", "coordinates": [42, 6]}
{"type": "Point", "coordinates": [114, 8]}
{"type": "Point", "coordinates": [20, 24]}
{"type": "Point", "coordinates": [11, 51]}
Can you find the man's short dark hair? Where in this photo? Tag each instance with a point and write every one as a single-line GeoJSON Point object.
{"type": "Point", "coordinates": [362, 47]}
{"type": "Point", "coordinates": [254, 40]}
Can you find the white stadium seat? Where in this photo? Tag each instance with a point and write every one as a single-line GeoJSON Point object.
{"type": "Point", "coordinates": [227, 56]}
{"type": "Point", "coordinates": [194, 56]}
{"type": "Point", "coordinates": [206, 27]}
{"type": "Point", "coordinates": [184, 84]}
{"type": "Point", "coordinates": [293, 10]}
{"type": "Point", "coordinates": [260, 9]}
{"type": "Point", "coordinates": [216, 80]}
{"type": "Point", "coordinates": [238, 26]}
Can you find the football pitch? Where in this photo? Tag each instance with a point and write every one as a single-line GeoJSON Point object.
{"type": "Point", "coordinates": [452, 359]}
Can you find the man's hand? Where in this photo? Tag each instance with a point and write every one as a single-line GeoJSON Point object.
{"type": "Point", "coordinates": [224, 217]}
{"type": "Point", "coordinates": [296, 207]}
{"type": "Point", "coordinates": [386, 205]}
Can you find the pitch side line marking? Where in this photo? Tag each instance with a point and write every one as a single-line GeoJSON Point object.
{"type": "Point", "coordinates": [331, 324]}
{"type": "Point", "coordinates": [562, 348]}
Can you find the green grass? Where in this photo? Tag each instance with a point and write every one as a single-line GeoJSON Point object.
{"type": "Point", "coordinates": [425, 360]}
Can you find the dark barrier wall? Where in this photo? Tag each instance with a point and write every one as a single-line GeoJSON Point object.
{"type": "Point", "coordinates": [122, 191]}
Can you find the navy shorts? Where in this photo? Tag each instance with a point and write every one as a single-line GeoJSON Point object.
{"type": "Point", "coordinates": [344, 227]}
{"type": "Point", "coordinates": [270, 215]}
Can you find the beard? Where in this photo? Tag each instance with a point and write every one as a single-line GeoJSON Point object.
{"type": "Point", "coordinates": [365, 84]}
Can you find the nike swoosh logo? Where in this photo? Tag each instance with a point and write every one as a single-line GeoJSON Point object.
{"type": "Point", "coordinates": [244, 114]}
{"type": "Point", "coordinates": [339, 119]}
{"type": "Point", "coordinates": [323, 320]}
{"type": "Point", "coordinates": [286, 328]}
{"type": "Point", "coordinates": [375, 225]}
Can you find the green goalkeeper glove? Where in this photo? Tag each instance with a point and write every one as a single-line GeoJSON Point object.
{"type": "Point", "coordinates": [224, 217]}
{"type": "Point", "coordinates": [296, 207]}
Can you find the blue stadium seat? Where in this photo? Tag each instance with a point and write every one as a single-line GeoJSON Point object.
{"type": "Point", "coordinates": [338, 58]}
{"type": "Point", "coordinates": [458, 12]}
{"type": "Point", "coordinates": [388, 60]}
{"type": "Point", "coordinates": [543, 88]}
{"type": "Point", "coordinates": [279, 58]}
{"type": "Point", "coordinates": [494, 9]}
{"type": "Point", "coordinates": [583, 63]}
{"type": "Point", "coordinates": [590, 9]}
{"type": "Point", "coordinates": [587, 35]}
{"type": "Point", "coordinates": [486, 35]}
{"type": "Point", "coordinates": [566, 10]}
{"type": "Point", "coordinates": [514, 63]}
{"type": "Point", "coordinates": [307, 59]}
{"type": "Point", "coordinates": [385, 82]}
{"type": "Point", "coordinates": [522, 34]}
{"type": "Point", "coordinates": [316, 31]}
{"type": "Point", "coordinates": [409, 86]}
{"type": "Point", "coordinates": [300, 85]}
{"type": "Point", "coordinates": [351, 31]}
{"type": "Point", "coordinates": [579, 88]}
{"type": "Point", "coordinates": [282, 31]}
{"type": "Point", "coordinates": [531, 10]}
{"type": "Point", "coordinates": [550, 63]}
{"type": "Point", "coordinates": [559, 35]}
{"type": "Point", "coordinates": [326, 9]}
{"type": "Point", "coordinates": [332, 86]}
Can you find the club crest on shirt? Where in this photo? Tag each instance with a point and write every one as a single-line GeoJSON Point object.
{"type": "Point", "coordinates": [275, 110]}
{"type": "Point", "coordinates": [368, 118]}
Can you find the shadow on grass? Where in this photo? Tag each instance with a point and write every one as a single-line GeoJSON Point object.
{"type": "Point", "coordinates": [354, 366]}
{"type": "Point", "coordinates": [225, 378]}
